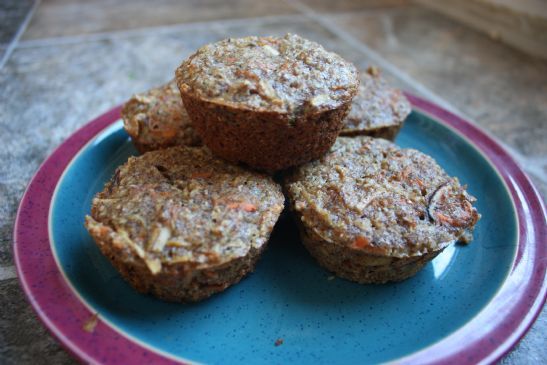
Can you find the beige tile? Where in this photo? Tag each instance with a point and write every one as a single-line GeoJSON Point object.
{"type": "Point", "coordinates": [62, 18]}
{"type": "Point", "coordinates": [503, 90]}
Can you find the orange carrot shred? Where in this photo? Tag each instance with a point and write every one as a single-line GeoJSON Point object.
{"type": "Point", "coordinates": [248, 207]}
{"type": "Point", "coordinates": [443, 218]}
{"type": "Point", "coordinates": [361, 242]}
{"type": "Point", "coordinates": [103, 231]}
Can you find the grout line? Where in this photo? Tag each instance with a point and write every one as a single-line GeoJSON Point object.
{"type": "Point", "coordinates": [7, 272]}
{"type": "Point", "coordinates": [162, 29]}
{"type": "Point", "coordinates": [20, 31]}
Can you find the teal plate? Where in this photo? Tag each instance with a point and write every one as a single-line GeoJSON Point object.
{"type": "Point", "coordinates": [320, 319]}
{"type": "Point", "coordinates": [289, 296]}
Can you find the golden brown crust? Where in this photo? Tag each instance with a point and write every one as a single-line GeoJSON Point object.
{"type": "Point", "coordinates": [262, 140]}
{"type": "Point", "coordinates": [177, 282]}
{"type": "Point", "coordinates": [156, 119]}
{"type": "Point", "coordinates": [356, 265]}
{"type": "Point", "coordinates": [268, 102]}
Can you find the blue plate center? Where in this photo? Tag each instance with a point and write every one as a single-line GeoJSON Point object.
{"type": "Point", "coordinates": [320, 318]}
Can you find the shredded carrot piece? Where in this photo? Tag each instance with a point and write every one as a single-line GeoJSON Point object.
{"type": "Point", "coordinates": [361, 243]}
{"type": "Point", "coordinates": [103, 230]}
{"type": "Point", "coordinates": [444, 219]}
{"type": "Point", "coordinates": [457, 222]}
{"type": "Point", "coordinates": [248, 207]}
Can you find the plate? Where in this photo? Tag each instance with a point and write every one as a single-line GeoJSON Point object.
{"type": "Point", "coordinates": [471, 304]}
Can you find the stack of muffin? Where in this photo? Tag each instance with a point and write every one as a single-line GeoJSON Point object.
{"type": "Point", "coordinates": [191, 216]}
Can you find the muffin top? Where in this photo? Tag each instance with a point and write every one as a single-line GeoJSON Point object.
{"type": "Point", "coordinates": [376, 105]}
{"type": "Point", "coordinates": [368, 194]}
{"type": "Point", "coordinates": [157, 119]}
{"type": "Point", "coordinates": [183, 205]}
{"type": "Point", "coordinates": [277, 74]}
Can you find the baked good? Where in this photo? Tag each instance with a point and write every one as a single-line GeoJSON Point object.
{"type": "Point", "coordinates": [269, 102]}
{"type": "Point", "coordinates": [157, 119]}
{"type": "Point", "coordinates": [181, 224]}
{"type": "Point", "coordinates": [378, 110]}
{"type": "Point", "coordinates": [372, 212]}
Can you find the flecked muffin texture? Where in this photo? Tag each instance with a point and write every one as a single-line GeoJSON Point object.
{"type": "Point", "coordinates": [284, 75]}
{"type": "Point", "coordinates": [372, 212]}
{"type": "Point", "coordinates": [157, 119]}
{"type": "Point", "coordinates": [268, 102]}
{"type": "Point", "coordinates": [378, 110]}
{"type": "Point", "coordinates": [181, 224]}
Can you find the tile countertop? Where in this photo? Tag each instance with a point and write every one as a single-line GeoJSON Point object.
{"type": "Point", "coordinates": [54, 78]}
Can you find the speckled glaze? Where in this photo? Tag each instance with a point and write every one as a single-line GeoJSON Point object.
{"type": "Point", "coordinates": [448, 313]}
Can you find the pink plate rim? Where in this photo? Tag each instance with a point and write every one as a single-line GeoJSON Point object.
{"type": "Point", "coordinates": [486, 338]}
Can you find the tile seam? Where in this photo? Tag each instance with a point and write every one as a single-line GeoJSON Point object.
{"type": "Point", "coordinates": [15, 40]}
{"type": "Point", "coordinates": [163, 29]}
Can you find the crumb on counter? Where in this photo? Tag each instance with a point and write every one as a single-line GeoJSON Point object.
{"type": "Point", "coordinates": [91, 323]}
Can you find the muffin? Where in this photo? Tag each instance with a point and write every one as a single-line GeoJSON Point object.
{"type": "Point", "coordinates": [371, 212]}
{"type": "Point", "coordinates": [378, 110]}
{"type": "Point", "coordinates": [268, 102]}
{"type": "Point", "coordinates": [181, 224]}
{"type": "Point", "coordinates": [157, 119]}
